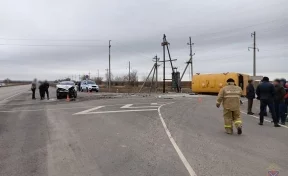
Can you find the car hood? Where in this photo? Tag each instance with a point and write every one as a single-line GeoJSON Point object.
{"type": "Point", "coordinates": [66, 87]}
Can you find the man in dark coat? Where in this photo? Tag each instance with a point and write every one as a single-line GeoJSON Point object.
{"type": "Point", "coordinates": [266, 92]}
{"type": "Point", "coordinates": [41, 90]}
{"type": "Point", "coordinates": [46, 89]}
{"type": "Point", "coordinates": [279, 101]}
{"type": "Point", "coordinates": [250, 95]}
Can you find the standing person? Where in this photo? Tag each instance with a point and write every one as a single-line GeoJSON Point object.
{"type": "Point", "coordinates": [79, 86]}
{"type": "Point", "coordinates": [266, 92]}
{"type": "Point", "coordinates": [46, 89]}
{"type": "Point", "coordinates": [286, 102]}
{"type": "Point", "coordinates": [279, 101]}
{"type": "Point", "coordinates": [41, 90]}
{"type": "Point", "coordinates": [230, 97]}
{"type": "Point", "coordinates": [250, 95]}
{"type": "Point", "coordinates": [33, 88]}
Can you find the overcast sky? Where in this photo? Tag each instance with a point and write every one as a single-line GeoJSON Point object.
{"type": "Point", "coordinates": [52, 39]}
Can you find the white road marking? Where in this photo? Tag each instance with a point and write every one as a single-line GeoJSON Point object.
{"type": "Point", "coordinates": [259, 117]}
{"type": "Point", "coordinates": [264, 119]}
{"type": "Point", "coordinates": [51, 109]}
{"type": "Point", "coordinates": [106, 112]}
{"type": "Point", "coordinates": [130, 106]}
{"type": "Point", "coordinates": [179, 152]}
{"type": "Point", "coordinates": [12, 96]}
{"type": "Point", "coordinates": [88, 111]}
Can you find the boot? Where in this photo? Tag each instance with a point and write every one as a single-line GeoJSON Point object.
{"type": "Point", "coordinates": [239, 130]}
{"type": "Point", "coordinates": [277, 125]}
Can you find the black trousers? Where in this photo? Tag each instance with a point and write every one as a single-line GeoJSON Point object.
{"type": "Point", "coordinates": [41, 92]}
{"type": "Point", "coordinates": [270, 104]}
{"type": "Point", "coordinates": [33, 93]}
{"type": "Point", "coordinates": [47, 93]}
{"type": "Point", "coordinates": [250, 104]}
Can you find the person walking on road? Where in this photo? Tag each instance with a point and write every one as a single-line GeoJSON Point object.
{"type": "Point", "coordinates": [266, 92]}
{"type": "Point", "coordinates": [229, 96]}
{"type": "Point", "coordinates": [279, 101]}
{"type": "Point", "coordinates": [46, 89]}
{"type": "Point", "coordinates": [33, 88]}
{"type": "Point", "coordinates": [250, 95]}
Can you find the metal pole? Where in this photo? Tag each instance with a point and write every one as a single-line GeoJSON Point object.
{"type": "Point", "coordinates": [129, 73]}
{"type": "Point", "coordinates": [98, 73]}
{"type": "Point", "coordinates": [156, 73]}
{"type": "Point", "coordinates": [154, 70]}
{"type": "Point", "coordinates": [146, 79]}
{"type": "Point", "coordinates": [254, 55]}
{"type": "Point", "coordinates": [109, 81]}
{"type": "Point", "coordinates": [164, 65]}
{"type": "Point", "coordinates": [191, 58]}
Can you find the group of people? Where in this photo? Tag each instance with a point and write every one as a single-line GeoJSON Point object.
{"type": "Point", "coordinates": [43, 89]}
{"type": "Point", "coordinates": [275, 96]}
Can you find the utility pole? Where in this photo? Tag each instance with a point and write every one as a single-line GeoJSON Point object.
{"type": "Point", "coordinates": [109, 82]}
{"type": "Point", "coordinates": [254, 52]}
{"type": "Point", "coordinates": [98, 72]}
{"type": "Point", "coordinates": [129, 72]}
{"type": "Point", "coordinates": [191, 57]}
{"type": "Point", "coordinates": [156, 59]}
{"type": "Point", "coordinates": [108, 77]}
{"type": "Point", "coordinates": [190, 61]}
{"type": "Point", "coordinates": [163, 44]}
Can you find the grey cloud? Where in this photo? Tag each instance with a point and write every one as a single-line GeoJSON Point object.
{"type": "Point", "coordinates": [220, 30]}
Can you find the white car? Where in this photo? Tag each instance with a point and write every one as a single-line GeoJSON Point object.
{"type": "Point", "coordinates": [66, 87]}
{"type": "Point", "coordinates": [88, 85]}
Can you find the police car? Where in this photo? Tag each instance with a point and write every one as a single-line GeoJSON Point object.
{"type": "Point", "coordinates": [66, 87]}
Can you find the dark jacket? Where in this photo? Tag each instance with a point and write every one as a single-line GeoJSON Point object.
{"type": "Point", "coordinates": [266, 91]}
{"type": "Point", "coordinates": [46, 85]}
{"type": "Point", "coordinates": [279, 94]}
{"type": "Point", "coordinates": [250, 91]}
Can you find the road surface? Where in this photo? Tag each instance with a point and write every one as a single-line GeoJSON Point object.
{"type": "Point", "coordinates": [132, 136]}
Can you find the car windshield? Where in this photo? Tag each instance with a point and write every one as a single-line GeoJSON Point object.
{"type": "Point", "coordinates": [66, 83]}
{"type": "Point", "coordinates": [91, 82]}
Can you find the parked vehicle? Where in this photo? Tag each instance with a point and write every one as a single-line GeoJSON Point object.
{"type": "Point", "coordinates": [66, 87]}
{"type": "Point", "coordinates": [88, 85]}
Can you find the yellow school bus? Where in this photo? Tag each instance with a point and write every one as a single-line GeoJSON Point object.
{"type": "Point", "coordinates": [212, 83]}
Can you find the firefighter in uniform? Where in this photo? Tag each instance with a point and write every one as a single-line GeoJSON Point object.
{"type": "Point", "coordinates": [230, 97]}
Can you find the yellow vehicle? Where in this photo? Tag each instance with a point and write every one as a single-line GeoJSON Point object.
{"type": "Point", "coordinates": [212, 83]}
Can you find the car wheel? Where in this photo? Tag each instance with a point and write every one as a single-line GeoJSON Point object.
{"type": "Point", "coordinates": [58, 96]}
{"type": "Point", "coordinates": [97, 90]}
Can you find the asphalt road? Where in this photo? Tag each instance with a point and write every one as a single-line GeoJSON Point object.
{"type": "Point", "coordinates": [132, 136]}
